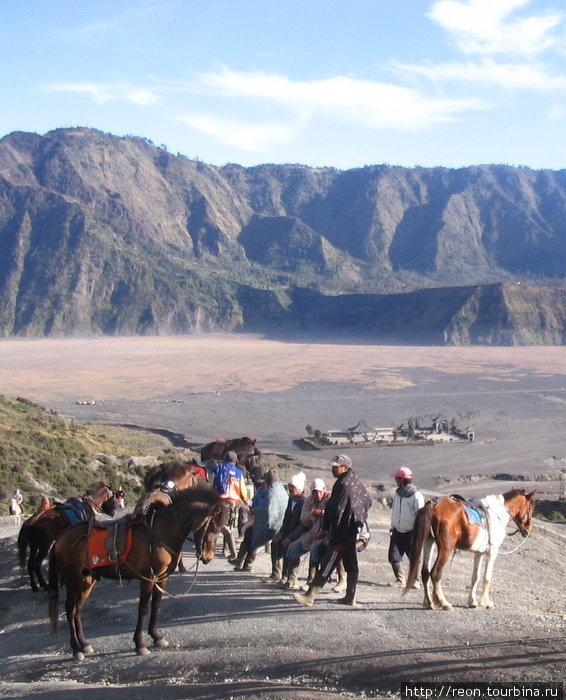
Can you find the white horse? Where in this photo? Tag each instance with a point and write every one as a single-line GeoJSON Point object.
{"type": "Point", "coordinates": [442, 527]}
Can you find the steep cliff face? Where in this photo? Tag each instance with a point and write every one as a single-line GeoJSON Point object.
{"type": "Point", "coordinates": [100, 234]}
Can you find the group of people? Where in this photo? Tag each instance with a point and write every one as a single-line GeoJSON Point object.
{"type": "Point", "coordinates": [330, 525]}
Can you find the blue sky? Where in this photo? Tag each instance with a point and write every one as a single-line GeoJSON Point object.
{"type": "Point", "coordinates": [317, 82]}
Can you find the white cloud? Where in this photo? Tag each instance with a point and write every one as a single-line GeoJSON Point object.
{"type": "Point", "coordinates": [373, 104]}
{"type": "Point", "coordinates": [510, 76]}
{"type": "Point", "coordinates": [484, 26]}
{"type": "Point", "coordinates": [247, 136]}
{"type": "Point", "coordinates": [101, 94]}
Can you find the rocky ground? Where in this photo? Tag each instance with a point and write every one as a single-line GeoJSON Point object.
{"type": "Point", "coordinates": [232, 635]}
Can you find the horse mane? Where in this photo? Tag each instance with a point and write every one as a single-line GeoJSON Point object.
{"type": "Point", "coordinates": [514, 492]}
{"type": "Point", "coordinates": [164, 472]}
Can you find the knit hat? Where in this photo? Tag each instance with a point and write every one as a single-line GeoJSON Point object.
{"type": "Point", "coordinates": [298, 481]}
{"type": "Point", "coordinates": [232, 456]}
{"type": "Point", "coordinates": [317, 485]}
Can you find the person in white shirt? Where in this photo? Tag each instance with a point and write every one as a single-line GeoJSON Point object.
{"type": "Point", "coordinates": [407, 501]}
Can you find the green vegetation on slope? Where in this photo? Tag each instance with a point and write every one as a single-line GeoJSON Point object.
{"type": "Point", "coordinates": [42, 452]}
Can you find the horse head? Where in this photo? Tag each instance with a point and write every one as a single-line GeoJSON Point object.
{"type": "Point", "coordinates": [521, 506]}
{"type": "Point", "coordinates": [99, 493]}
{"type": "Point", "coordinates": [206, 533]}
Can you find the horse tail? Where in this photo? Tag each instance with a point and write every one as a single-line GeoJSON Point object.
{"type": "Point", "coordinates": [53, 593]}
{"type": "Point", "coordinates": [421, 532]}
{"type": "Point", "coordinates": [23, 542]}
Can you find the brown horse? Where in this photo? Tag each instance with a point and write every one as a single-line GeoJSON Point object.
{"type": "Point", "coordinates": [218, 450]}
{"type": "Point", "coordinates": [181, 473]}
{"type": "Point", "coordinates": [40, 530]}
{"type": "Point", "coordinates": [444, 526]}
{"type": "Point", "coordinates": [155, 547]}
{"type": "Point", "coordinates": [156, 493]}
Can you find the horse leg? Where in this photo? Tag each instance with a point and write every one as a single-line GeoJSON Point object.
{"type": "Point", "coordinates": [156, 598]}
{"type": "Point", "coordinates": [146, 588]}
{"type": "Point", "coordinates": [77, 593]}
{"type": "Point", "coordinates": [485, 599]}
{"type": "Point", "coordinates": [436, 575]}
{"type": "Point", "coordinates": [425, 572]}
{"type": "Point", "coordinates": [32, 567]}
{"type": "Point", "coordinates": [473, 597]}
{"type": "Point", "coordinates": [40, 555]}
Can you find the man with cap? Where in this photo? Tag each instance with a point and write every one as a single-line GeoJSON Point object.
{"type": "Point", "coordinates": [407, 501]}
{"type": "Point", "coordinates": [344, 519]}
{"type": "Point", "coordinates": [311, 518]}
{"type": "Point", "coordinates": [291, 529]}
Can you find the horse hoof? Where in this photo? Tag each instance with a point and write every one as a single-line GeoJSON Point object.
{"type": "Point", "coordinates": [78, 656]}
{"type": "Point", "coordinates": [447, 606]}
{"type": "Point", "coordinates": [142, 651]}
{"type": "Point", "coordinates": [87, 649]}
{"type": "Point", "coordinates": [161, 643]}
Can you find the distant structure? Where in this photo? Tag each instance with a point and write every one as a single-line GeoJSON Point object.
{"type": "Point", "coordinates": [438, 430]}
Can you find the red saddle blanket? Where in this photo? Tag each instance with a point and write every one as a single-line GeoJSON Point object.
{"type": "Point", "coordinates": [101, 552]}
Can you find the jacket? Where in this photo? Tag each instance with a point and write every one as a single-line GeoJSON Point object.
{"type": "Point", "coordinates": [292, 527]}
{"type": "Point", "coordinates": [312, 523]}
{"type": "Point", "coordinates": [407, 501]}
{"type": "Point", "coordinates": [346, 510]}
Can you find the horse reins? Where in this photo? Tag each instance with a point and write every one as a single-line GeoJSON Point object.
{"type": "Point", "coordinates": [158, 578]}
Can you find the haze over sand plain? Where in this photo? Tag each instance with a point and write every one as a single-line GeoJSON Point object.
{"type": "Point", "coordinates": [222, 385]}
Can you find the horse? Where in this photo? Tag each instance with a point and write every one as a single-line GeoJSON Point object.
{"type": "Point", "coordinates": [444, 526]}
{"type": "Point", "coordinates": [182, 475]}
{"type": "Point", "coordinates": [40, 530]}
{"type": "Point", "coordinates": [219, 449]}
{"type": "Point", "coordinates": [156, 543]}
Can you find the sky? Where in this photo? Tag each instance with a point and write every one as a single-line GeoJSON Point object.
{"type": "Point", "coordinates": [317, 82]}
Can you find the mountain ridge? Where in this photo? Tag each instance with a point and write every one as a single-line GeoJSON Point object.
{"type": "Point", "coordinates": [111, 235]}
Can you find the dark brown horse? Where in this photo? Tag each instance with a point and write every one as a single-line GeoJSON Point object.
{"type": "Point", "coordinates": [217, 450]}
{"type": "Point", "coordinates": [181, 473]}
{"type": "Point", "coordinates": [155, 547]}
{"type": "Point", "coordinates": [444, 526]}
{"type": "Point", "coordinates": [40, 530]}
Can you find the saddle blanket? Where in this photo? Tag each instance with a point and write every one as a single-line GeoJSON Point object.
{"type": "Point", "coordinates": [101, 552]}
{"type": "Point", "coordinates": [474, 516]}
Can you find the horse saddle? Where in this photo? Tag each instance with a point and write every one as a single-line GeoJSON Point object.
{"type": "Point", "coordinates": [76, 509]}
{"type": "Point", "coordinates": [110, 541]}
{"type": "Point", "coordinates": [474, 510]}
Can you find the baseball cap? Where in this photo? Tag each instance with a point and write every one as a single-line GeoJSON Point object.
{"type": "Point", "coordinates": [342, 461]}
{"type": "Point", "coordinates": [317, 485]}
{"type": "Point", "coordinates": [403, 473]}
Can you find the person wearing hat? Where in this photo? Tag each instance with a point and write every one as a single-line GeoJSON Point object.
{"type": "Point", "coordinates": [291, 528]}
{"type": "Point", "coordinates": [230, 484]}
{"type": "Point", "coordinates": [407, 501]}
{"type": "Point", "coordinates": [311, 518]}
{"type": "Point", "coordinates": [344, 518]}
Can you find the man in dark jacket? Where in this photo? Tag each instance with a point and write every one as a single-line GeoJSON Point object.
{"type": "Point", "coordinates": [344, 521]}
{"type": "Point", "coordinates": [291, 529]}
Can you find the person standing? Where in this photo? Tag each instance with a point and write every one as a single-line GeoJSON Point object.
{"type": "Point", "coordinates": [230, 484]}
{"type": "Point", "coordinates": [345, 518]}
{"type": "Point", "coordinates": [407, 501]}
